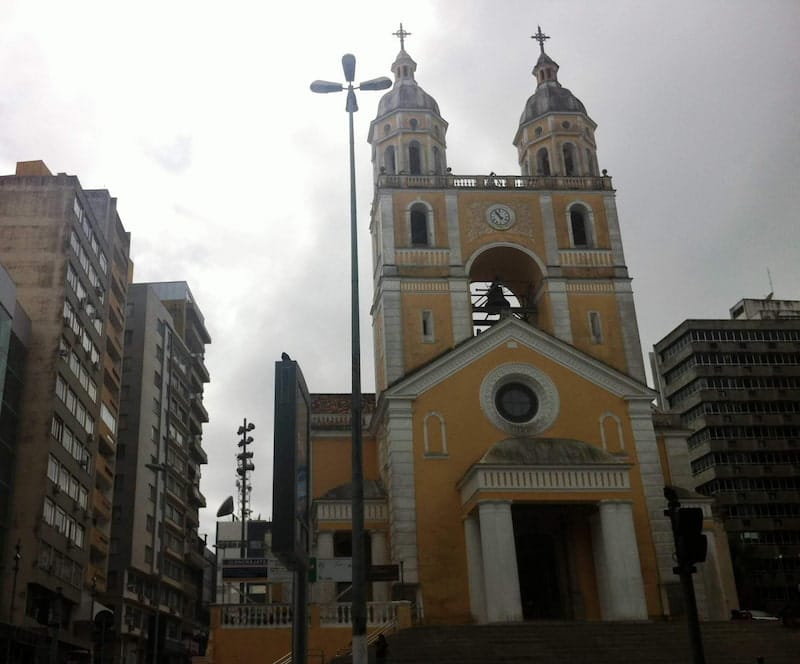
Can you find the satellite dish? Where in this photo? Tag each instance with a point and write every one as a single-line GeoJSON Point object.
{"type": "Point", "coordinates": [226, 507]}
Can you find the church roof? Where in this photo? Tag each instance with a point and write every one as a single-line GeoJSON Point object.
{"type": "Point", "coordinates": [406, 94]}
{"type": "Point", "coordinates": [527, 451]}
{"type": "Point", "coordinates": [550, 97]}
{"type": "Point", "coordinates": [373, 490]}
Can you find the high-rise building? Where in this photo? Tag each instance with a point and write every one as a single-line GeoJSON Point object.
{"type": "Point", "coordinates": [736, 385]}
{"type": "Point", "coordinates": [67, 252]}
{"type": "Point", "coordinates": [157, 561]}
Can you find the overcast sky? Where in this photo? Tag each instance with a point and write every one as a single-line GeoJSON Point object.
{"type": "Point", "coordinates": [230, 174]}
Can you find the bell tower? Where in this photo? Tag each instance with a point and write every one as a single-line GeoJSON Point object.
{"type": "Point", "coordinates": [455, 254]}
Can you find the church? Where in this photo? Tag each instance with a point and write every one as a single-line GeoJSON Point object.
{"type": "Point", "coordinates": [515, 462]}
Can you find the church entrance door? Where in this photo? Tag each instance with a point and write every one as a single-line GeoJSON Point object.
{"type": "Point", "coordinates": [542, 561]}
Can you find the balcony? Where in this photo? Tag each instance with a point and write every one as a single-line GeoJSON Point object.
{"type": "Point", "coordinates": [104, 474]}
{"type": "Point", "coordinates": [101, 506]}
{"type": "Point", "coordinates": [99, 542]}
{"type": "Point", "coordinates": [196, 497]}
{"type": "Point", "coordinates": [194, 558]}
{"type": "Point", "coordinates": [497, 182]}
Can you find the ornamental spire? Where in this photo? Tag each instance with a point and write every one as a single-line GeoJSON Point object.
{"type": "Point", "coordinates": [539, 36]}
{"type": "Point", "coordinates": [401, 35]}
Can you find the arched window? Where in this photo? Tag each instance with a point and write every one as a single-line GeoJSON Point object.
{"type": "Point", "coordinates": [386, 129]}
{"type": "Point", "coordinates": [414, 159]}
{"type": "Point", "coordinates": [413, 123]}
{"type": "Point", "coordinates": [389, 161]}
{"type": "Point", "coordinates": [420, 237]}
{"type": "Point", "coordinates": [542, 162]}
{"type": "Point", "coordinates": [437, 161]}
{"type": "Point", "coordinates": [580, 229]}
{"type": "Point", "coordinates": [590, 169]}
{"type": "Point", "coordinates": [570, 159]}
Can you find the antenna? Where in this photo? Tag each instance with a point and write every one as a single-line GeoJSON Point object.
{"type": "Point", "coordinates": [771, 288]}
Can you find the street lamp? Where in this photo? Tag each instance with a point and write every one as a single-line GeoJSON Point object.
{"type": "Point", "coordinates": [157, 469]}
{"type": "Point", "coordinates": [359, 604]}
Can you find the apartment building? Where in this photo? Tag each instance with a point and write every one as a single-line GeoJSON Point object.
{"type": "Point", "coordinates": [67, 252]}
{"type": "Point", "coordinates": [736, 385]}
{"type": "Point", "coordinates": [157, 562]}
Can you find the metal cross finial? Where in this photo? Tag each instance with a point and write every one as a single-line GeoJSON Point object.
{"type": "Point", "coordinates": [402, 34]}
{"type": "Point", "coordinates": [539, 36]}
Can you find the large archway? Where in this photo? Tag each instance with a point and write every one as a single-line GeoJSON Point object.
{"type": "Point", "coordinates": [504, 281]}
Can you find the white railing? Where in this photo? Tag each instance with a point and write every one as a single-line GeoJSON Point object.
{"type": "Point", "coordinates": [539, 182]}
{"type": "Point", "coordinates": [266, 615]}
{"type": "Point", "coordinates": [340, 614]}
{"type": "Point", "coordinates": [339, 510]}
{"type": "Point", "coordinates": [240, 616]}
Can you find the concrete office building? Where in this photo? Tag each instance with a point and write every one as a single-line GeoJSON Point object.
{"type": "Point", "coordinates": [156, 568]}
{"type": "Point", "coordinates": [736, 385]}
{"type": "Point", "coordinates": [68, 253]}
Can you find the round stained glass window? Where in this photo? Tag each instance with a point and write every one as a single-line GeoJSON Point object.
{"type": "Point", "coordinates": [516, 402]}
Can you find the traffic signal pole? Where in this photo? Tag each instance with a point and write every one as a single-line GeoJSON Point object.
{"type": "Point", "coordinates": [685, 568]}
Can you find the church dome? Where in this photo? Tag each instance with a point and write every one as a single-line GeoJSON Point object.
{"type": "Point", "coordinates": [406, 94]}
{"type": "Point", "coordinates": [550, 98]}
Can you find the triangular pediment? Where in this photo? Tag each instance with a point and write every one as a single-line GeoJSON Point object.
{"type": "Point", "coordinates": [513, 330]}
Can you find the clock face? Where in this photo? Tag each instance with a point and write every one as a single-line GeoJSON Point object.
{"type": "Point", "coordinates": [500, 217]}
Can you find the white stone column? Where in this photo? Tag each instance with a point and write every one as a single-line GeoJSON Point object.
{"type": "Point", "coordinates": [325, 590]}
{"type": "Point", "coordinates": [616, 554]}
{"type": "Point", "coordinates": [477, 588]}
{"type": "Point", "coordinates": [501, 578]}
{"type": "Point", "coordinates": [380, 589]}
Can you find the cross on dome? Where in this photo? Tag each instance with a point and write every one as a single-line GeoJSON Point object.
{"type": "Point", "coordinates": [539, 36]}
{"type": "Point", "coordinates": [401, 35]}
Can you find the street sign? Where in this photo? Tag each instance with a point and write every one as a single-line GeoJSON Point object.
{"type": "Point", "coordinates": [334, 569]}
{"type": "Point", "coordinates": [245, 568]}
{"type": "Point", "coordinates": [383, 573]}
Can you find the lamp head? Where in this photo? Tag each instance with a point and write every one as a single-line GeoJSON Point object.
{"type": "Point", "coordinates": [349, 67]}
{"type": "Point", "coordinates": [381, 83]}
{"type": "Point", "coordinates": [323, 87]}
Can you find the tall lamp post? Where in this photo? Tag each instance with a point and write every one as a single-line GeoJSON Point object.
{"type": "Point", "coordinates": [359, 604]}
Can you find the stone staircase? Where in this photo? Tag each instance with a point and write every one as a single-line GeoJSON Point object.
{"type": "Point", "coordinates": [593, 643]}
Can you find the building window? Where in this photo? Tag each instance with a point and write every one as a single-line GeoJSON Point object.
{"type": "Point", "coordinates": [595, 327]}
{"type": "Point", "coordinates": [419, 225]}
{"type": "Point", "coordinates": [413, 123]}
{"type": "Point", "coordinates": [414, 158]}
{"type": "Point", "coordinates": [580, 226]}
{"type": "Point", "coordinates": [427, 326]}
{"type": "Point", "coordinates": [516, 402]}
{"type": "Point", "coordinates": [389, 163]}
{"type": "Point", "coordinates": [542, 162]}
{"type": "Point", "coordinates": [570, 159]}
{"type": "Point", "coordinates": [437, 161]}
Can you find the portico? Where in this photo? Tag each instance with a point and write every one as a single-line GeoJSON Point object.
{"type": "Point", "coordinates": [549, 532]}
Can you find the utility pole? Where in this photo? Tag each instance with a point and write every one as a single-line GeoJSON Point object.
{"type": "Point", "coordinates": [245, 466]}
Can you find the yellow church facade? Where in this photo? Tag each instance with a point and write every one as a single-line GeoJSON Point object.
{"type": "Point", "coordinates": [517, 467]}
{"type": "Point", "coordinates": [513, 459]}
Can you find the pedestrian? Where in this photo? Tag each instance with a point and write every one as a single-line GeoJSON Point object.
{"type": "Point", "coordinates": [381, 649]}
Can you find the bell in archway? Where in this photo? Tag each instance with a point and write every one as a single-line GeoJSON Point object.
{"type": "Point", "coordinates": [496, 302]}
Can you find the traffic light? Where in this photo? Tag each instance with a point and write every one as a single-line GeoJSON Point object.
{"type": "Point", "coordinates": [691, 544]}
